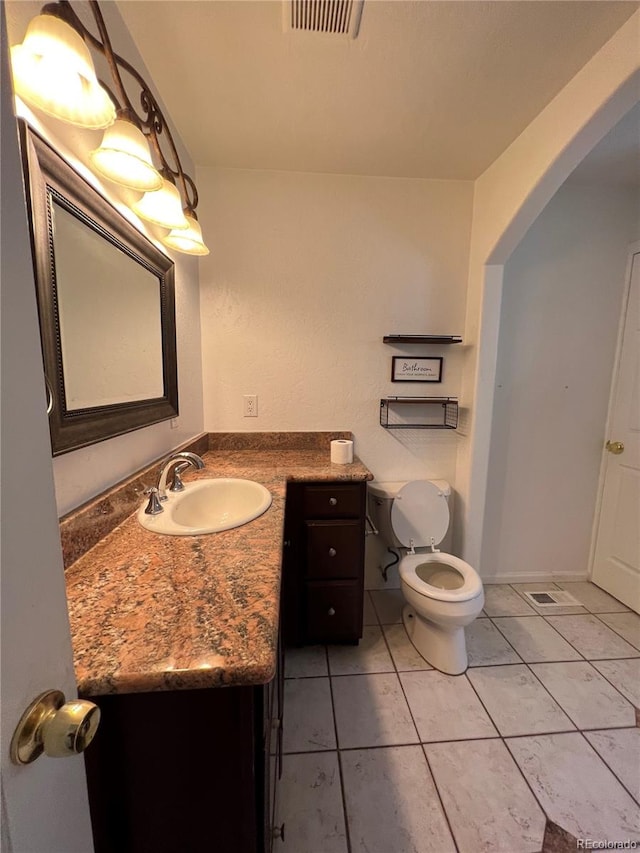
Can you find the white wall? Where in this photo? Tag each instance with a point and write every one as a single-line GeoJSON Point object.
{"type": "Point", "coordinates": [562, 298]}
{"type": "Point", "coordinates": [306, 275]}
{"type": "Point", "coordinates": [507, 199]}
{"type": "Point", "coordinates": [81, 474]}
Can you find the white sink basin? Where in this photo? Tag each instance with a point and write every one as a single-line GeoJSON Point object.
{"type": "Point", "coordinates": [208, 506]}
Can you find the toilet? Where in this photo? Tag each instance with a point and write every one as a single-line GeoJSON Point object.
{"type": "Point", "coordinates": [443, 594]}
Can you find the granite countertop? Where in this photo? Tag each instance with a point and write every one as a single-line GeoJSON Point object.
{"type": "Point", "coordinates": [152, 612]}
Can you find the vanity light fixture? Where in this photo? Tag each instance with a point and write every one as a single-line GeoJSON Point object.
{"type": "Point", "coordinates": [54, 71]}
{"type": "Point", "coordinates": [124, 157]}
{"type": "Point", "coordinates": [162, 207]}
{"type": "Point", "coordinates": [188, 240]}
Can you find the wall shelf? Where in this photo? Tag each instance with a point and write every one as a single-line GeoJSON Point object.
{"type": "Point", "coordinates": [422, 339]}
{"type": "Point", "coordinates": [449, 412]}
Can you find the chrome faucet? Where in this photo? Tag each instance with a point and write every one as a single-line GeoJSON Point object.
{"type": "Point", "coordinates": [182, 461]}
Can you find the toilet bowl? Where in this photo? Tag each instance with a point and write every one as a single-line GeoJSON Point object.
{"type": "Point", "coordinates": [443, 593]}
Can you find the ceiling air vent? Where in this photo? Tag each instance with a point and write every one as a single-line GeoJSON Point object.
{"type": "Point", "coordinates": [340, 17]}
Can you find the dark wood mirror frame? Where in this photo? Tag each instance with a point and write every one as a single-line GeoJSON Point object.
{"type": "Point", "coordinates": [47, 177]}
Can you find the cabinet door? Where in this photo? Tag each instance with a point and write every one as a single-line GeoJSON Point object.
{"type": "Point", "coordinates": [275, 771]}
{"type": "Point", "coordinates": [280, 701]}
{"type": "Point", "coordinates": [334, 549]}
{"type": "Point", "coordinates": [177, 771]}
{"type": "Point", "coordinates": [334, 611]}
{"type": "Point", "coordinates": [273, 750]}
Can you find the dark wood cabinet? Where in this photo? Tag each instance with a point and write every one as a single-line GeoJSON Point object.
{"type": "Point", "coordinates": [271, 757]}
{"type": "Point", "coordinates": [187, 770]}
{"type": "Point", "coordinates": [323, 566]}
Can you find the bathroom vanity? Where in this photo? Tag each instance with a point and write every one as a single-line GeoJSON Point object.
{"type": "Point", "coordinates": [177, 639]}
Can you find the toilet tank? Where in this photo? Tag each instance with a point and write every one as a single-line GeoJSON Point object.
{"type": "Point", "coordinates": [380, 499]}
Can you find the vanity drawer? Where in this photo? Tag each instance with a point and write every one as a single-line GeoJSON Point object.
{"type": "Point", "coordinates": [334, 611]}
{"type": "Point", "coordinates": [334, 549]}
{"type": "Point", "coordinates": [328, 500]}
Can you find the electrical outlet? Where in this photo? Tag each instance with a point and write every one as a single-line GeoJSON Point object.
{"type": "Point", "coordinates": [250, 405]}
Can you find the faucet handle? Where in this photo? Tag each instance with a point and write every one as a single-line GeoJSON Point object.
{"type": "Point", "coordinates": [176, 484]}
{"type": "Point", "coordinates": [153, 507]}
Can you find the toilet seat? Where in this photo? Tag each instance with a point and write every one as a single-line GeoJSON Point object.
{"type": "Point", "coordinates": [471, 587]}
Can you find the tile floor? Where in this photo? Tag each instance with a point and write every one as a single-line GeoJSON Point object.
{"type": "Point", "coordinates": [383, 754]}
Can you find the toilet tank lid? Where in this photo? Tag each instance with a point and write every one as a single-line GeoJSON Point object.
{"type": "Point", "coordinates": [390, 488]}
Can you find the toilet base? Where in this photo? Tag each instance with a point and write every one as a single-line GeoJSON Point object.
{"type": "Point", "coordinates": [445, 650]}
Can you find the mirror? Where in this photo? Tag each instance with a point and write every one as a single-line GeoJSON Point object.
{"type": "Point", "coordinates": [110, 324]}
{"type": "Point", "coordinates": [106, 305]}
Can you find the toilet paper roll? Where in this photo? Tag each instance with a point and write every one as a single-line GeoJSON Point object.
{"type": "Point", "coordinates": [341, 451]}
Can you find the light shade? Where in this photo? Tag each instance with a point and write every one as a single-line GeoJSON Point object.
{"type": "Point", "coordinates": [124, 157]}
{"type": "Point", "coordinates": [162, 207]}
{"type": "Point", "coordinates": [54, 72]}
{"type": "Point", "coordinates": [188, 240]}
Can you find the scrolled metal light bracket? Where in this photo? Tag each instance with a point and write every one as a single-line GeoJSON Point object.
{"type": "Point", "coordinates": [150, 119]}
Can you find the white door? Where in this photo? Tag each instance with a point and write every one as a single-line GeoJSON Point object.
{"type": "Point", "coordinates": [616, 565]}
{"type": "Point", "coordinates": [44, 804]}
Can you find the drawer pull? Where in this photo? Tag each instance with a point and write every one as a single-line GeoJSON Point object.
{"type": "Point", "coordinates": [331, 612]}
{"type": "Point", "coordinates": [333, 501]}
{"type": "Point", "coordinates": [332, 552]}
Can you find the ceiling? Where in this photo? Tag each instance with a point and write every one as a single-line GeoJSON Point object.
{"type": "Point", "coordinates": [429, 89]}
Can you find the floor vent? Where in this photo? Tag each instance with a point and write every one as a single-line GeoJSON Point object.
{"type": "Point", "coordinates": [552, 598]}
{"type": "Point", "coordinates": [340, 17]}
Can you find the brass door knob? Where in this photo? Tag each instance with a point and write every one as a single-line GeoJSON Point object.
{"type": "Point", "coordinates": [615, 447]}
{"type": "Point", "coordinates": [55, 727]}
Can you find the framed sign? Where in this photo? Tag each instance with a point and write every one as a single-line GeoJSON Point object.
{"type": "Point", "coordinates": [416, 369]}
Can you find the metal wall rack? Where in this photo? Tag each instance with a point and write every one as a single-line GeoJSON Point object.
{"type": "Point", "coordinates": [449, 412]}
{"type": "Point", "coordinates": [449, 404]}
{"type": "Point", "coordinates": [422, 339]}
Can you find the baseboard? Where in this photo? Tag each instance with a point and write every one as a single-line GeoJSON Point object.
{"type": "Point", "coordinates": [532, 577]}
